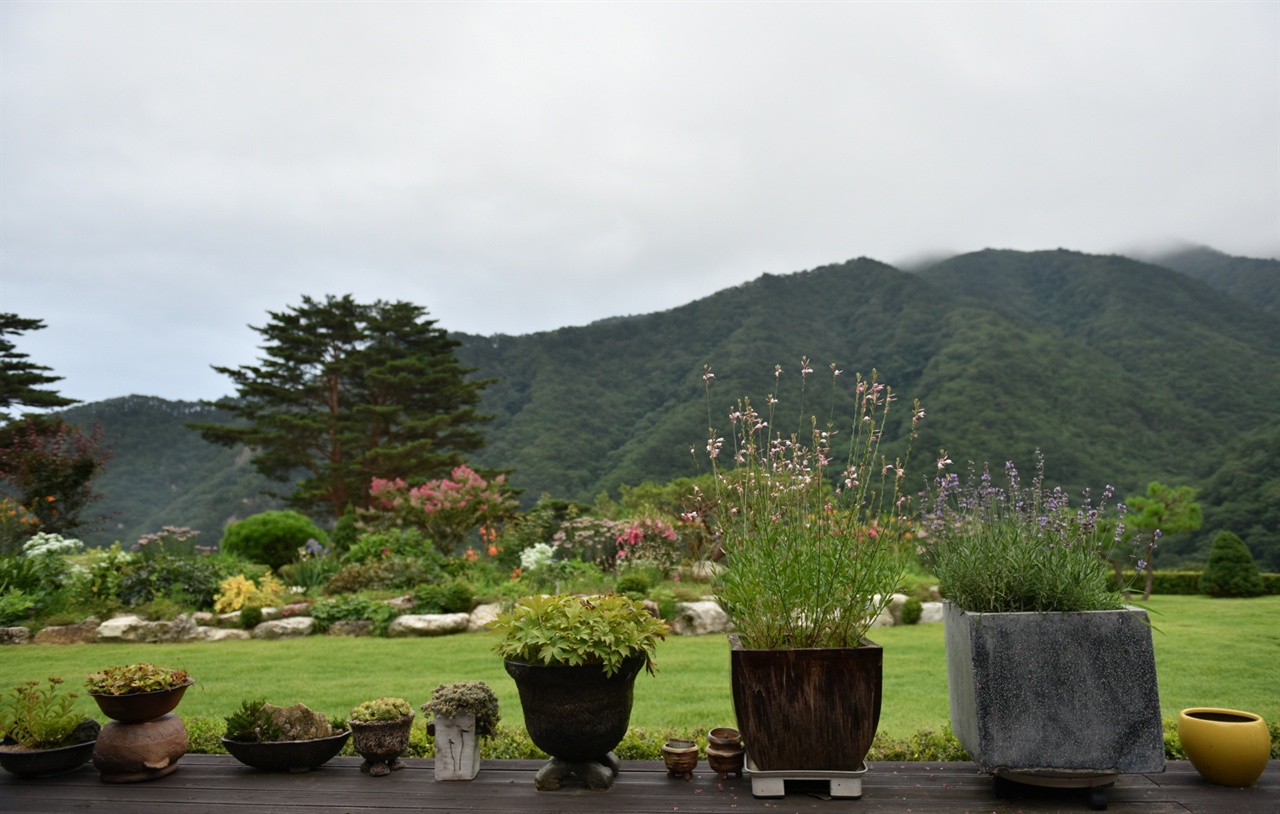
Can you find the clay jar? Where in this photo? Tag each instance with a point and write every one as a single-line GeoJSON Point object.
{"type": "Point", "coordinates": [128, 753]}
{"type": "Point", "coordinates": [681, 757]}
{"type": "Point", "coordinates": [725, 753]}
{"type": "Point", "coordinates": [1227, 746]}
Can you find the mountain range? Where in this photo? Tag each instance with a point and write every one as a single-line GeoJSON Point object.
{"type": "Point", "coordinates": [1119, 370]}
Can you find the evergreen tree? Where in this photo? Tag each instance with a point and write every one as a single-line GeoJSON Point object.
{"type": "Point", "coordinates": [1164, 510]}
{"type": "Point", "coordinates": [20, 380]}
{"type": "Point", "coordinates": [348, 392]}
{"type": "Point", "coordinates": [1231, 570]}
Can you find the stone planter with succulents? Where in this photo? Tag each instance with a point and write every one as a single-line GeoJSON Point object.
{"type": "Point", "coordinates": [380, 734]}
{"type": "Point", "coordinates": [42, 732]}
{"type": "Point", "coordinates": [464, 712]}
{"type": "Point", "coordinates": [282, 739]}
{"type": "Point", "coordinates": [575, 660]}
{"type": "Point", "coordinates": [144, 740]}
{"type": "Point", "coordinates": [812, 555]}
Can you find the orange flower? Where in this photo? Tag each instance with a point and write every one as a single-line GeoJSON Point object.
{"type": "Point", "coordinates": [493, 550]}
{"type": "Point", "coordinates": [516, 574]}
{"type": "Point", "coordinates": [471, 555]}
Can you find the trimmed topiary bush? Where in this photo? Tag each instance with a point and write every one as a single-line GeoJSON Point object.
{"type": "Point", "coordinates": [271, 538]}
{"type": "Point", "coordinates": [1231, 570]}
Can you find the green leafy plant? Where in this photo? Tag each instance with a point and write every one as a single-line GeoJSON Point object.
{"type": "Point", "coordinates": [454, 596]}
{"type": "Point", "coordinates": [1231, 570]}
{"type": "Point", "coordinates": [271, 538]}
{"type": "Point", "coordinates": [574, 630]}
{"type": "Point", "coordinates": [1009, 549]}
{"type": "Point", "coordinates": [466, 697]}
{"type": "Point", "coordinates": [252, 723]}
{"type": "Point", "coordinates": [381, 709]}
{"type": "Point", "coordinates": [135, 678]}
{"type": "Point", "coordinates": [814, 546]}
{"type": "Point", "coordinates": [39, 717]}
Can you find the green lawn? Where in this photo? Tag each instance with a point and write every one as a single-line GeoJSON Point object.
{"type": "Point", "coordinates": [1208, 653]}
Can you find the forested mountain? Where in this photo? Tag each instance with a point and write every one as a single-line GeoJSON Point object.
{"type": "Point", "coordinates": [1120, 371]}
{"type": "Point", "coordinates": [1255, 281]}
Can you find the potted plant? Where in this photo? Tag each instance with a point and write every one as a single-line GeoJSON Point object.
{"type": "Point", "coordinates": [282, 739]}
{"type": "Point", "coordinates": [812, 526]}
{"type": "Point", "coordinates": [42, 731]}
{"type": "Point", "coordinates": [464, 711]}
{"type": "Point", "coordinates": [575, 660]}
{"type": "Point", "coordinates": [144, 739]}
{"type": "Point", "coordinates": [380, 734]}
{"type": "Point", "coordinates": [1050, 674]}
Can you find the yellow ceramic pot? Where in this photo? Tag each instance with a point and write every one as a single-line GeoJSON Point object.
{"type": "Point", "coordinates": [1227, 746]}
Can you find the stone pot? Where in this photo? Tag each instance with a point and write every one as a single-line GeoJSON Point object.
{"type": "Point", "coordinates": [136, 707]}
{"type": "Point", "coordinates": [1226, 746]}
{"type": "Point", "coordinates": [680, 757]}
{"type": "Point", "coordinates": [287, 756]}
{"type": "Point", "coordinates": [807, 709]}
{"type": "Point", "coordinates": [1055, 694]}
{"type": "Point", "coordinates": [129, 753]}
{"type": "Point", "coordinates": [457, 747]}
{"type": "Point", "coordinates": [577, 715]}
{"type": "Point", "coordinates": [381, 743]}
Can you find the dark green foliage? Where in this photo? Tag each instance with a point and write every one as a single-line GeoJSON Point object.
{"type": "Point", "coordinates": [345, 533]}
{"type": "Point", "coordinates": [271, 538]}
{"type": "Point", "coordinates": [454, 596]}
{"type": "Point", "coordinates": [1250, 280]}
{"type": "Point", "coordinates": [349, 607]}
{"type": "Point", "coordinates": [912, 610]}
{"type": "Point", "coordinates": [193, 580]}
{"type": "Point", "coordinates": [250, 617]}
{"type": "Point", "coordinates": [634, 584]}
{"type": "Point", "coordinates": [21, 381]}
{"type": "Point", "coordinates": [347, 392]}
{"type": "Point", "coordinates": [389, 573]}
{"type": "Point", "coordinates": [1180, 583]}
{"type": "Point", "coordinates": [1243, 496]}
{"type": "Point", "coordinates": [252, 723]}
{"type": "Point", "coordinates": [1231, 570]}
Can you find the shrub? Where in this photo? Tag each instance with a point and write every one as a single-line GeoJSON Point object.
{"type": "Point", "coordinates": [454, 596]}
{"type": "Point", "coordinates": [345, 533]}
{"type": "Point", "coordinates": [183, 579]}
{"type": "Point", "coordinates": [387, 573]}
{"type": "Point", "coordinates": [271, 538]}
{"type": "Point", "coordinates": [350, 607]}
{"type": "Point", "coordinates": [1231, 570]}
{"type": "Point", "coordinates": [237, 592]}
{"type": "Point", "coordinates": [912, 610]}
{"type": "Point", "coordinates": [1179, 583]}
{"type": "Point", "coordinates": [634, 584]}
{"type": "Point", "coordinates": [250, 617]}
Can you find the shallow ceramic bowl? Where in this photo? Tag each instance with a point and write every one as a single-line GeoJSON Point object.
{"type": "Point", "coordinates": [287, 756]}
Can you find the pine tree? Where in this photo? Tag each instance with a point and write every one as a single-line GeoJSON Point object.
{"type": "Point", "coordinates": [20, 380]}
{"type": "Point", "coordinates": [348, 392]}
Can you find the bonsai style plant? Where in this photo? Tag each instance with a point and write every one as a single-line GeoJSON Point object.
{"type": "Point", "coordinates": [812, 524]}
{"type": "Point", "coordinates": [1049, 673]}
{"type": "Point", "coordinates": [145, 739]}
{"type": "Point", "coordinates": [575, 660]}
{"type": "Point", "coordinates": [282, 739]}
{"type": "Point", "coordinates": [42, 731]}
{"type": "Point", "coordinates": [380, 734]}
{"type": "Point", "coordinates": [464, 712]}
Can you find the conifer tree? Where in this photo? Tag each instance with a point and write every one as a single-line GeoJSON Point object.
{"type": "Point", "coordinates": [348, 392]}
{"type": "Point", "coordinates": [20, 379]}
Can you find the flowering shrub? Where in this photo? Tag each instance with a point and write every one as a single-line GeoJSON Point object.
{"type": "Point", "coordinates": [447, 509]}
{"type": "Point", "coordinates": [313, 568]}
{"type": "Point", "coordinates": [176, 538]}
{"type": "Point", "coordinates": [590, 539]}
{"type": "Point", "coordinates": [16, 523]}
{"type": "Point", "coordinates": [1004, 549]}
{"type": "Point", "coordinates": [50, 545]}
{"type": "Point", "coordinates": [239, 592]}
{"type": "Point", "coordinates": [813, 553]}
{"type": "Point", "coordinates": [648, 541]}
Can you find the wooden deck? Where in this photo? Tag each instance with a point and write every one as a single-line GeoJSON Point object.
{"type": "Point", "coordinates": [217, 783]}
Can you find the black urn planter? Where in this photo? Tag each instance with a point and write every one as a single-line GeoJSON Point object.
{"type": "Point", "coordinates": [577, 715]}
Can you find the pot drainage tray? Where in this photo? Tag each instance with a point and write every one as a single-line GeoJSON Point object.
{"type": "Point", "coordinates": [773, 783]}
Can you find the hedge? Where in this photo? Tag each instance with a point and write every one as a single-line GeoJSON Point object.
{"type": "Point", "coordinates": [1187, 583]}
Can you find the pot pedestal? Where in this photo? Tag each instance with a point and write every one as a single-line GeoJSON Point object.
{"type": "Point", "coordinates": [598, 775]}
{"type": "Point", "coordinates": [773, 784]}
{"type": "Point", "coordinates": [130, 753]}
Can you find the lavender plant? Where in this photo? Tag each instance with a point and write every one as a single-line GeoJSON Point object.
{"type": "Point", "coordinates": [814, 548]}
{"type": "Point", "coordinates": [1005, 549]}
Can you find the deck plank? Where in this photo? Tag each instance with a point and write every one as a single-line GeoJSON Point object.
{"type": "Point", "coordinates": [217, 783]}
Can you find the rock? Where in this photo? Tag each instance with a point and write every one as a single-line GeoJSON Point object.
{"type": "Point", "coordinates": [930, 613]}
{"type": "Point", "coordinates": [230, 619]}
{"type": "Point", "coordinates": [271, 614]}
{"type": "Point", "coordinates": [699, 619]}
{"type": "Point", "coordinates": [15, 635]}
{"type": "Point", "coordinates": [290, 628]}
{"type": "Point", "coordinates": [351, 627]}
{"type": "Point", "coordinates": [482, 616]}
{"type": "Point", "coordinates": [429, 624]}
{"type": "Point", "coordinates": [403, 603]}
{"type": "Point", "coordinates": [652, 608]}
{"type": "Point", "coordinates": [205, 633]}
{"type": "Point", "coordinates": [68, 634]}
{"type": "Point", "coordinates": [203, 617]}
{"type": "Point", "coordinates": [183, 629]}
{"type": "Point", "coordinates": [298, 722]}
{"type": "Point", "coordinates": [701, 571]}
{"type": "Point", "coordinates": [130, 628]}
{"type": "Point", "coordinates": [885, 619]}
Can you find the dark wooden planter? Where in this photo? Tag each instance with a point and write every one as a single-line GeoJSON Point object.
{"type": "Point", "coordinates": [576, 714]}
{"type": "Point", "coordinates": [807, 709]}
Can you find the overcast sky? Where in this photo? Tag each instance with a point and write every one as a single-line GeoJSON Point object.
{"type": "Point", "coordinates": [172, 171]}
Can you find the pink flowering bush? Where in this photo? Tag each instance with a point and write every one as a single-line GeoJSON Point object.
{"type": "Point", "coordinates": [449, 510]}
{"type": "Point", "coordinates": [648, 541]}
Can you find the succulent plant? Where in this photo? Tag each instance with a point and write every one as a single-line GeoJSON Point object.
{"type": "Point", "coordinates": [381, 709]}
{"type": "Point", "coordinates": [135, 678]}
{"type": "Point", "coordinates": [466, 697]}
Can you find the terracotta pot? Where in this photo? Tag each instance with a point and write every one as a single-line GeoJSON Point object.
{"type": "Point", "coordinates": [1226, 746]}
{"type": "Point", "coordinates": [287, 756]}
{"type": "Point", "coordinates": [681, 758]}
{"type": "Point", "coordinates": [136, 707]}
{"type": "Point", "coordinates": [381, 743]}
{"type": "Point", "coordinates": [811, 709]}
{"type": "Point", "coordinates": [724, 737]}
{"type": "Point", "coordinates": [726, 761]}
{"type": "Point", "coordinates": [129, 753]}
{"type": "Point", "coordinates": [576, 714]}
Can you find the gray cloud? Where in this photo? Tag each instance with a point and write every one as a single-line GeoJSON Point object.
{"type": "Point", "coordinates": [171, 172]}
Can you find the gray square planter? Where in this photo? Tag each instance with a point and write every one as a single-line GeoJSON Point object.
{"type": "Point", "coordinates": [1055, 693]}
